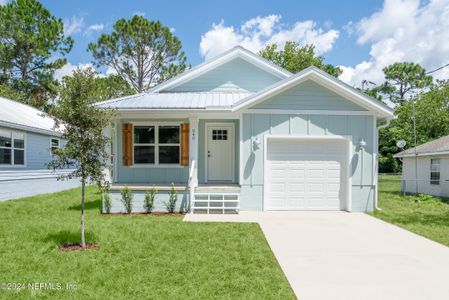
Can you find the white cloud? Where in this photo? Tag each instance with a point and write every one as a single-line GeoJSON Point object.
{"type": "Point", "coordinates": [68, 69]}
{"type": "Point", "coordinates": [3, 2]}
{"type": "Point", "coordinates": [73, 25]}
{"type": "Point", "coordinates": [255, 33]}
{"type": "Point", "coordinates": [93, 28]}
{"type": "Point", "coordinates": [403, 30]}
{"type": "Point", "coordinates": [139, 13]}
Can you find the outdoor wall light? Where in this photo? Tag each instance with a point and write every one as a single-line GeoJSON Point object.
{"type": "Point", "coordinates": [256, 144]}
{"type": "Point", "coordinates": [361, 145]}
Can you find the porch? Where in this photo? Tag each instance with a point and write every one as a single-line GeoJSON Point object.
{"type": "Point", "coordinates": [200, 157]}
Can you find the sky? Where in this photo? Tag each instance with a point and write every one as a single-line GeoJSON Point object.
{"type": "Point", "coordinates": [360, 36]}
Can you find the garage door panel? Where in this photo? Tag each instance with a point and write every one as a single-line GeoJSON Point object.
{"type": "Point", "coordinates": [305, 175]}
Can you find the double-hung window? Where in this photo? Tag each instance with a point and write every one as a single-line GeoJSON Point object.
{"type": "Point", "coordinates": [54, 144]}
{"type": "Point", "coordinates": [12, 148]}
{"type": "Point", "coordinates": [157, 144]}
{"type": "Point", "coordinates": [435, 171]}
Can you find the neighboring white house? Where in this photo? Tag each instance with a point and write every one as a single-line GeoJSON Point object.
{"type": "Point", "coordinates": [239, 133]}
{"type": "Point", "coordinates": [27, 139]}
{"type": "Point", "coordinates": [429, 167]}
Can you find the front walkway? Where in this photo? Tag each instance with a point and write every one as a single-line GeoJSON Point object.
{"type": "Point", "coordinates": [333, 255]}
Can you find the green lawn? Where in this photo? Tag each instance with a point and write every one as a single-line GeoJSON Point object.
{"type": "Point", "coordinates": [140, 257]}
{"type": "Point", "coordinates": [429, 217]}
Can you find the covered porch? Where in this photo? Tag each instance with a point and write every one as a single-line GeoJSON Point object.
{"type": "Point", "coordinates": [199, 157]}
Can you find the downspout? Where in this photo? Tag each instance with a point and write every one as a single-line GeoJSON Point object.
{"type": "Point", "coordinates": [375, 177]}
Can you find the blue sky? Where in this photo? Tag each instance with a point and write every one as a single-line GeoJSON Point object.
{"type": "Point", "coordinates": [362, 36]}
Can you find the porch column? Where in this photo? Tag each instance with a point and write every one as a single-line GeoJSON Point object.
{"type": "Point", "coordinates": [193, 152]}
{"type": "Point", "coordinates": [108, 132]}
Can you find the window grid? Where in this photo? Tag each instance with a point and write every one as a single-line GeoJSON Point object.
{"type": "Point", "coordinates": [54, 144]}
{"type": "Point", "coordinates": [16, 148]}
{"type": "Point", "coordinates": [435, 171]}
{"type": "Point", "coordinates": [220, 134]}
{"type": "Point", "coordinates": [156, 145]}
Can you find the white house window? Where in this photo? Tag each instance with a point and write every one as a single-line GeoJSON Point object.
{"type": "Point", "coordinates": [54, 144]}
{"type": "Point", "coordinates": [157, 144]}
{"type": "Point", "coordinates": [435, 171]}
{"type": "Point", "coordinates": [12, 148]}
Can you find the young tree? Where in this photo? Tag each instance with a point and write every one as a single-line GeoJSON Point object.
{"type": "Point", "coordinates": [142, 52]}
{"type": "Point", "coordinates": [295, 58]}
{"type": "Point", "coordinates": [30, 38]}
{"type": "Point", "coordinates": [83, 123]}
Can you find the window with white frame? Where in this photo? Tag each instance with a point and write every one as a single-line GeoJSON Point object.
{"type": "Point", "coordinates": [435, 171]}
{"type": "Point", "coordinates": [157, 144]}
{"type": "Point", "coordinates": [12, 148]}
{"type": "Point", "coordinates": [54, 144]}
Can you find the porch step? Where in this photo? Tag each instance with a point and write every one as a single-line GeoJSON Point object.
{"type": "Point", "coordinates": [218, 188]}
{"type": "Point", "coordinates": [216, 202]}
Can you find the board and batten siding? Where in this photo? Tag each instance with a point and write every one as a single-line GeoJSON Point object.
{"type": "Point", "coordinates": [147, 174]}
{"type": "Point", "coordinates": [309, 95]}
{"type": "Point", "coordinates": [258, 125]}
{"type": "Point", "coordinates": [235, 75]}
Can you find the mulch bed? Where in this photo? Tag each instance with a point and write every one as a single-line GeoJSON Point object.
{"type": "Point", "coordinates": [153, 214]}
{"type": "Point", "coordinates": [77, 247]}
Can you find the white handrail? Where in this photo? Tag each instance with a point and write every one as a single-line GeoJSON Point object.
{"type": "Point", "coordinates": [192, 184]}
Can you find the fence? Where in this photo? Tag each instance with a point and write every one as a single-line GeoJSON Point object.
{"type": "Point", "coordinates": [395, 183]}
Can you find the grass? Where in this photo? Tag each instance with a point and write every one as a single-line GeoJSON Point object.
{"type": "Point", "coordinates": [429, 217]}
{"type": "Point", "coordinates": [139, 257]}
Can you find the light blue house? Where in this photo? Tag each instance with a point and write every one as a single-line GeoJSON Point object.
{"type": "Point", "coordinates": [239, 133]}
{"type": "Point", "coordinates": [27, 138]}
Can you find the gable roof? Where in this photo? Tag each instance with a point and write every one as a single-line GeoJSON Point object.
{"type": "Point", "coordinates": [324, 79]}
{"type": "Point", "coordinates": [236, 52]}
{"type": "Point", "coordinates": [436, 147]}
{"type": "Point", "coordinates": [20, 116]}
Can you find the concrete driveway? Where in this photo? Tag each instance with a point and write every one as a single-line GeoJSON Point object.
{"type": "Point", "coordinates": [336, 255]}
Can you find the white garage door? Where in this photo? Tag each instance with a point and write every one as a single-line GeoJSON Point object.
{"type": "Point", "coordinates": [306, 174]}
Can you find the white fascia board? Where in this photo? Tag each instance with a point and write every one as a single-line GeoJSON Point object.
{"type": "Point", "coordinates": [176, 114]}
{"type": "Point", "coordinates": [30, 129]}
{"type": "Point", "coordinates": [421, 154]}
{"type": "Point", "coordinates": [332, 84]}
{"type": "Point", "coordinates": [236, 52]}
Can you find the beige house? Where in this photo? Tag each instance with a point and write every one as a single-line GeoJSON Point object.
{"type": "Point", "coordinates": [428, 166]}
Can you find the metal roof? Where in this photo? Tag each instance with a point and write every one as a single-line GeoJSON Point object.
{"type": "Point", "coordinates": [435, 147]}
{"type": "Point", "coordinates": [186, 100]}
{"type": "Point", "coordinates": [21, 116]}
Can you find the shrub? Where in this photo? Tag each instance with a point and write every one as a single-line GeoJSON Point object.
{"type": "Point", "coordinates": [127, 199]}
{"type": "Point", "coordinates": [172, 199]}
{"type": "Point", "coordinates": [107, 201]}
{"type": "Point", "coordinates": [150, 196]}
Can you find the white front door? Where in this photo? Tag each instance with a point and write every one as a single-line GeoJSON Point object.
{"type": "Point", "coordinates": [220, 152]}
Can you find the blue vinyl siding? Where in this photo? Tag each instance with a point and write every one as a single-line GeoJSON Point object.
{"type": "Point", "coordinates": [237, 74]}
{"type": "Point", "coordinates": [308, 95]}
{"type": "Point", "coordinates": [259, 125]}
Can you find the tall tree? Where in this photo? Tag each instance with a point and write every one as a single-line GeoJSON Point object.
{"type": "Point", "coordinates": [402, 81]}
{"type": "Point", "coordinates": [83, 124]}
{"type": "Point", "coordinates": [30, 37]}
{"type": "Point", "coordinates": [295, 58]}
{"type": "Point", "coordinates": [141, 51]}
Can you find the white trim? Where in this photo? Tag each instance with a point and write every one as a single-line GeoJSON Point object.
{"type": "Point", "coordinates": [241, 149]}
{"type": "Point", "coordinates": [156, 145]}
{"type": "Point", "coordinates": [223, 124]}
{"type": "Point", "coordinates": [29, 128]}
{"type": "Point", "coordinates": [51, 146]}
{"type": "Point", "coordinates": [309, 112]}
{"type": "Point", "coordinates": [12, 148]}
{"type": "Point", "coordinates": [325, 80]}
{"type": "Point", "coordinates": [435, 153]}
{"type": "Point", "coordinates": [236, 52]}
{"type": "Point", "coordinates": [115, 158]}
{"type": "Point", "coordinates": [347, 139]}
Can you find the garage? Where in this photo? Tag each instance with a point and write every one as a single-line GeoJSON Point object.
{"type": "Point", "coordinates": [306, 174]}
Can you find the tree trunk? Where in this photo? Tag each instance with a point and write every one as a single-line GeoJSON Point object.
{"type": "Point", "coordinates": [83, 188]}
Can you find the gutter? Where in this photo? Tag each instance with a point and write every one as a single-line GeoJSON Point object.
{"type": "Point", "coordinates": [375, 176]}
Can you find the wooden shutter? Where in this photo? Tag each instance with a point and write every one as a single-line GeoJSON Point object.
{"type": "Point", "coordinates": [185, 129]}
{"type": "Point", "coordinates": [127, 141]}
